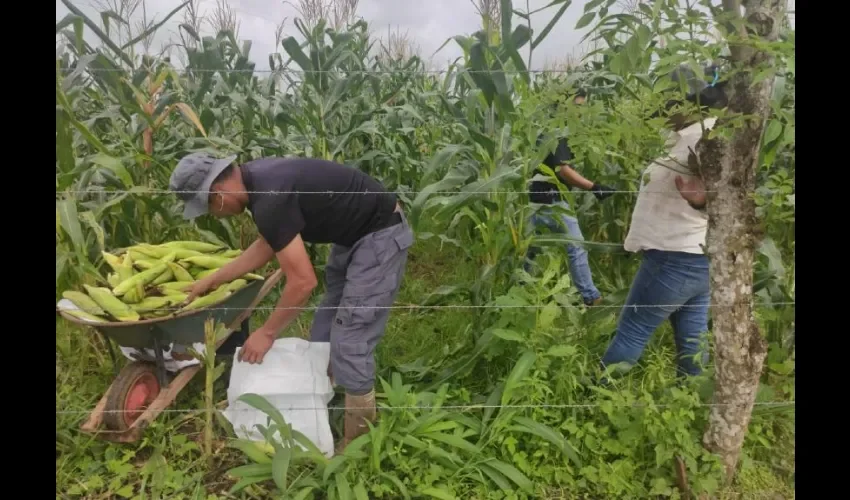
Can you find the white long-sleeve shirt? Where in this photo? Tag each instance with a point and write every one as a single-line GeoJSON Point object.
{"type": "Point", "coordinates": [662, 218]}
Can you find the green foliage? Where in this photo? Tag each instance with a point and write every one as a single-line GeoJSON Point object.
{"type": "Point", "coordinates": [497, 399]}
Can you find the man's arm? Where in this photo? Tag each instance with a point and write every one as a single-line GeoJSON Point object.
{"type": "Point", "coordinates": [573, 178]}
{"type": "Point", "coordinates": [561, 156]}
{"type": "Point", "coordinates": [300, 282]}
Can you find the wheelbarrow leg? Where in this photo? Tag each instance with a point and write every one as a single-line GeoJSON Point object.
{"type": "Point", "coordinates": [111, 353]}
{"type": "Point", "coordinates": [160, 362]}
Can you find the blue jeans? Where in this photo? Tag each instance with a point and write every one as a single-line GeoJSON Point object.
{"type": "Point", "coordinates": [670, 285]}
{"type": "Point", "coordinates": [576, 255]}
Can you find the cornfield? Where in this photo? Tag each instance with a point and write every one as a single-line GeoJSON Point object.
{"type": "Point", "coordinates": [497, 361]}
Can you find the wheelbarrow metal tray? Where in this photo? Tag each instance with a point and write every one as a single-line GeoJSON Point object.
{"type": "Point", "coordinates": [185, 328]}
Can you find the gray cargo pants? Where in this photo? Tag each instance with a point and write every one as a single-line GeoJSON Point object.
{"type": "Point", "coordinates": [362, 282]}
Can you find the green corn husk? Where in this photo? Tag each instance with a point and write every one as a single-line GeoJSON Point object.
{"type": "Point", "coordinates": [176, 294]}
{"type": "Point", "coordinates": [154, 304]}
{"type": "Point", "coordinates": [236, 284]}
{"type": "Point", "coordinates": [180, 274]}
{"type": "Point", "coordinates": [203, 274]}
{"type": "Point", "coordinates": [113, 260]}
{"type": "Point", "coordinates": [134, 295]}
{"type": "Point", "coordinates": [111, 304]}
{"type": "Point", "coordinates": [207, 261]}
{"type": "Point", "coordinates": [143, 277]}
{"type": "Point", "coordinates": [165, 277]}
{"type": "Point", "coordinates": [230, 254]}
{"type": "Point", "coordinates": [85, 316]}
{"type": "Point", "coordinates": [145, 264]}
{"type": "Point", "coordinates": [149, 250]}
{"type": "Point", "coordinates": [195, 246]}
{"type": "Point", "coordinates": [207, 300]}
{"type": "Point", "coordinates": [83, 302]}
{"type": "Point", "coordinates": [175, 285]}
{"type": "Point", "coordinates": [113, 279]}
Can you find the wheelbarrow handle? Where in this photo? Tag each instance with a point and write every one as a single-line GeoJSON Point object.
{"type": "Point", "coordinates": [271, 281]}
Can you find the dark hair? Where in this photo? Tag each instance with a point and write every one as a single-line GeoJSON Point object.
{"type": "Point", "coordinates": [226, 173]}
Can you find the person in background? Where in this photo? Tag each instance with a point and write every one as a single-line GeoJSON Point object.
{"type": "Point", "coordinates": [298, 200]}
{"type": "Point", "coordinates": [547, 195]}
{"type": "Point", "coordinates": [668, 229]}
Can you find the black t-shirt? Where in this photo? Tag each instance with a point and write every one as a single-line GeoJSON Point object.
{"type": "Point", "coordinates": [329, 206]}
{"type": "Point", "coordinates": [547, 192]}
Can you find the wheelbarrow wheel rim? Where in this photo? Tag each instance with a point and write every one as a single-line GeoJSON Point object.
{"type": "Point", "coordinates": [142, 391]}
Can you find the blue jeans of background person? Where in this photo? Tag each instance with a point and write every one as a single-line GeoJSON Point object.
{"type": "Point", "coordinates": [670, 285]}
{"type": "Point", "coordinates": [576, 255]}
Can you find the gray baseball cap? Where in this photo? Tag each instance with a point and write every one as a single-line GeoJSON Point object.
{"type": "Point", "coordinates": [192, 179]}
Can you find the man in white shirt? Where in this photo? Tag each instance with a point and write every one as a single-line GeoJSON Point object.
{"type": "Point", "coordinates": [668, 229]}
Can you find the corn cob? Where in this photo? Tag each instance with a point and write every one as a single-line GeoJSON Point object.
{"type": "Point", "coordinates": [154, 303]}
{"type": "Point", "coordinates": [196, 246]}
{"type": "Point", "coordinates": [113, 279]}
{"type": "Point", "coordinates": [207, 261]}
{"type": "Point", "coordinates": [134, 295]}
{"type": "Point", "coordinates": [176, 294]}
{"type": "Point", "coordinates": [111, 304]}
{"type": "Point", "coordinates": [158, 313]}
{"type": "Point", "coordinates": [145, 264]}
{"type": "Point", "coordinates": [136, 255]}
{"type": "Point", "coordinates": [165, 277]}
{"type": "Point", "coordinates": [143, 277]}
{"type": "Point", "coordinates": [208, 300]}
{"type": "Point", "coordinates": [203, 274]}
{"type": "Point", "coordinates": [180, 274]}
{"type": "Point", "coordinates": [236, 284]}
{"type": "Point", "coordinates": [230, 254]}
{"type": "Point", "coordinates": [149, 250]}
{"type": "Point", "coordinates": [83, 301]}
{"type": "Point", "coordinates": [169, 257]}
{"type": "Point", "coordinates": [85, 316]}
{"type": "Point", "coordinates": [113, 261]}
{"type": "Point", "coordinates": [175, 285]}
{"type": "Point", "coordinates": [125, 272]}
{"type": "Point", "coordinates": [252, 276]}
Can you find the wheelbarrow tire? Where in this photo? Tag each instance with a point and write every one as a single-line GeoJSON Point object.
{"type": "Point", "coordinates": [135, 387]}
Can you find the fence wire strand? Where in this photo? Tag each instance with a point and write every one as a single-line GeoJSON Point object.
{"type": "Point", "coordinates": [469, 407]}
{"type": "Point", "coordinates": [145, 191]}
{"type": "Point", "coordinates": [414, 307]}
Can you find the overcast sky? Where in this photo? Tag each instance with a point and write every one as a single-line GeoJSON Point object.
{"type": "Point", "coordinates": [428, 22]}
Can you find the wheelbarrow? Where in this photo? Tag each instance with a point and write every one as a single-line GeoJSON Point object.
{"type": "Point", "coordinates": [143, 389]}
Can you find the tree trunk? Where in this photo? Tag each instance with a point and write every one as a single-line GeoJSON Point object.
{"type": "Point", "coordinates": [728, 167]}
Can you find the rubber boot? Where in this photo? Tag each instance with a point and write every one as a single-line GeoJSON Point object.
{"type": "Point", "coordinates": [358, 410]}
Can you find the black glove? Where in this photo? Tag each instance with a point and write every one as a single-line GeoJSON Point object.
{"type": "Point", "coordinates": [601, 192]}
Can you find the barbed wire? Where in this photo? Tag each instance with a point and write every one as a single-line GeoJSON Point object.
{"type": "Point", "coordinates": [145, 191]}
{"type": "Point", "coordinates": [459, 306]}
{"type": "Point", "coordinates": [323, 71]}
{"type": "Point", "coordinates": [450, 407]}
